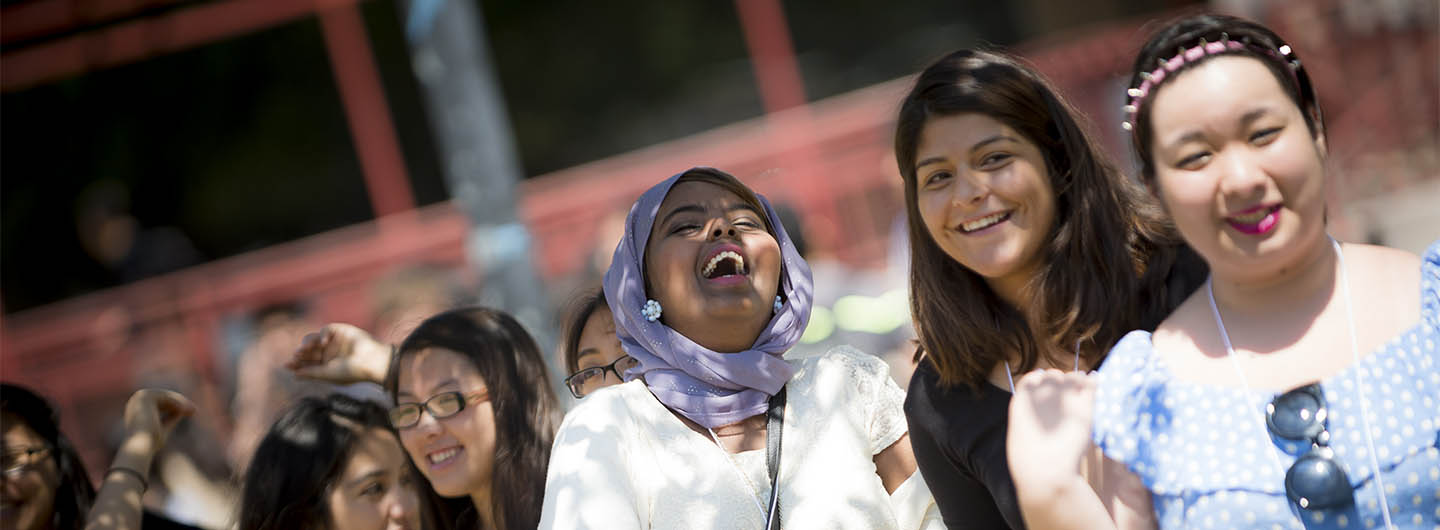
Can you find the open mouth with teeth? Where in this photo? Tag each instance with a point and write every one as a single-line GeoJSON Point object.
{"type": "Point", "coordinates": [976, 225]}
{"type": "Point", "coordinates": [443, 457]}
{"type": "Point", "coordinates": [726, 265]}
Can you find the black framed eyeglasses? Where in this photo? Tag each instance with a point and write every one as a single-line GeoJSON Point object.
{"type": "Point", "coordinates": [440, 406]}
{"type": "Point", "coordinates": [15, 460]}
{"type": "Point", "coordinates": [589, 380]}
{"type": "Point", "coordinates": [1316, 481]}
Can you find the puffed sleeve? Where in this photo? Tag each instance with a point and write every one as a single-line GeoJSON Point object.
{"type": "Point", "coordinates": [1430, 286]}
{"type": "Point", "coordinates": [1127, 387]}
{"type": "Point", "coordinates": [590, 483]}
{"type": "Point", "coordinates": [884, 402]}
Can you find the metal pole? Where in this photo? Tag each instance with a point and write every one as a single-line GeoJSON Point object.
{"type": "Point", "coordinates": [451, 59]}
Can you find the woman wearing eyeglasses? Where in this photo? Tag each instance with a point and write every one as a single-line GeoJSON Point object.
{"type": "Point", "coordinates": [45, 486]}
{"type": "Point", "coordinates": [1301, 385]}
{"type": "Point", "coordinates": [473, 407]}
{"type": "Point", "coordinates": [592, 350]}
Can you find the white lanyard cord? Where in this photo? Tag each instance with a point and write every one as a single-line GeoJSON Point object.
{"type": "Point", "coordinates": [1360, 387]}
{"type": "Point", "coordinates": [1355, 357]}
{"type": "Point", "coordinates": [1235, 362]}
{"type": "Point", "coordinates": [1011, 378]}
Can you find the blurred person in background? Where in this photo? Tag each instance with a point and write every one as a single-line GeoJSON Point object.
{"type": "Point", "coordinates": [708, 292]}
{"type": "Point", "coordinates": [864, 309]}
{"type": "Point", "coordinates": [111, 235]}
{"type": "Point", "coordinates": [472, 402]}
{"type": "Point", "coordinates": [1028, 250]}
{"type": "Point", "coordinates": [591, 350]}
{"type": "Point", "coordinates": [1311, 365]}
{"type": "Point", "coordinates": [403, 299]}
{"type": "Point", "coordinates": [45, 483]}
{"type": "Point", "coordinates": [331, 463]}
{"type": "Point", "coordinates": [263, 387]}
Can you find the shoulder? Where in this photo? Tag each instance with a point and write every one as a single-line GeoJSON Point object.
{"type": "Point", "coordinates": [1187, 331]}
{"type": "Point", "coordinates": [1390, 263]}
{"type": "Point", "coordinates": [607, 408]}
{"type": "Point", "coordinates": [846, 361]}
{"type": "Point", "coordinates": [950, 411]}
{"type": "Point", "coordinates": [1389, 277]}
{"type": "Point", "coordinates": [1126, 389]}
{"type": "Point", "coordinates": [1131, 370]}
{"type": "Point", "coordinates": [1131, 353]}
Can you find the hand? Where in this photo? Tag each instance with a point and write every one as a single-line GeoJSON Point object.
{"type": "Point", "coordinates": [151, 415]}
{"type": "Point", "coordinates": [341, 353]}
{"type": "Point", "coordinates": [1049, 431]}
{"type": "Point", "coordinates": [1047, 442]}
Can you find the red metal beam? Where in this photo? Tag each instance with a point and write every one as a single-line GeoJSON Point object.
{"type": "Point", "coordinates": [782, 91]}
{"type": "Point", "coordinates": [767, 37]}
{"type": "Point", "coordinates": [147, 37]}
{"type": "Point", "coordinates": [358, 80]}
{"type": "Point", "coordinates": [42, 18]}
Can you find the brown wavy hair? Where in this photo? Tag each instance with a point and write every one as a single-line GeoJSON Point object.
{"type": "Point", "coordinates": [1110, 258]}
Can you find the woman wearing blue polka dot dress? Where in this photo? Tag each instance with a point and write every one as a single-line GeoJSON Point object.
{"type": "Point", "coordinates": [1300, 387]}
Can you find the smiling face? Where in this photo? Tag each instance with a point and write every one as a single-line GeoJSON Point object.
{"type": "Point", "coordinates": [456, 453]}
{"type": "Point", "coordinates": [712, 266]}
{"type": "Point", "coordinates": [375, 490]}
{"type": "Point", "coordinates": [598, 347]}
{"type": "Point", "coordinates": [985, 197]}
{"type": "Point", "coordinates": [27, 498]}
{"type": "Point", "coordinates": [1241, 174]}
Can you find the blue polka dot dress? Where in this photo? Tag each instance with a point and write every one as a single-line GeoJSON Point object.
{"type": "Point", "coordinates": [1201, 449]}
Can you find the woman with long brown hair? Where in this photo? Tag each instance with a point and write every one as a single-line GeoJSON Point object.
{"type": "Point", "coordinates": [472, 406]}
{"type": "Point", "coordinates": [1028, 250]}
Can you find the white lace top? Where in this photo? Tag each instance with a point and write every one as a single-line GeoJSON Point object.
{"type": "Point", "coordinates": [622, 460]}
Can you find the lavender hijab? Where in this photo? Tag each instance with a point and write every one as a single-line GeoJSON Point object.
{"type": "Point", "coordinates": [710, 388]}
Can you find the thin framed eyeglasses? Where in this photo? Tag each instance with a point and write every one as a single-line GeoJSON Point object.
{"type": "Point", "coordinates": [588, 380]}
{"type": "Point", "coordinates": [440, 406]}
{"type": "Point", "coordinates": [13, 461]}
{"type": "Point", "coordinates": [1316, 481]}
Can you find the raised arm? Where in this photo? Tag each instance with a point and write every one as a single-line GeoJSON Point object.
{"type": "Point", "coordinates": [341, 353]}
{"type": "Point", "coordinates": [150, 416]}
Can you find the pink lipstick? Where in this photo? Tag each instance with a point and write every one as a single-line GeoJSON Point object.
{"type": "Point", "coordinates": [1256, 221]}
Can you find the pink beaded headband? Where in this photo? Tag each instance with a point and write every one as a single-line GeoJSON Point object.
{"type": "Point", "coordinates": [1167, 67]}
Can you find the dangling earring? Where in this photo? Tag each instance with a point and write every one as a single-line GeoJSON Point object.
{"type": "Point", "coordinates": [778, 304]}
{"type": "Point", "coordinates": [651, 311]}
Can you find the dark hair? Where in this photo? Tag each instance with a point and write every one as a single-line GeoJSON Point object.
{"type": "Point", "coordinates": [75, 493]}
{"type": "Point", "coordinates": [1261, 44]}
{"type": "Point", "coordinates": [526, 410]}
{"type": "Point", "coordinates": [300, 457]}
{"type": "Point", "coordinates": [574, 325]}
{"type": "Point", "coordinates": [1108, 254]}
